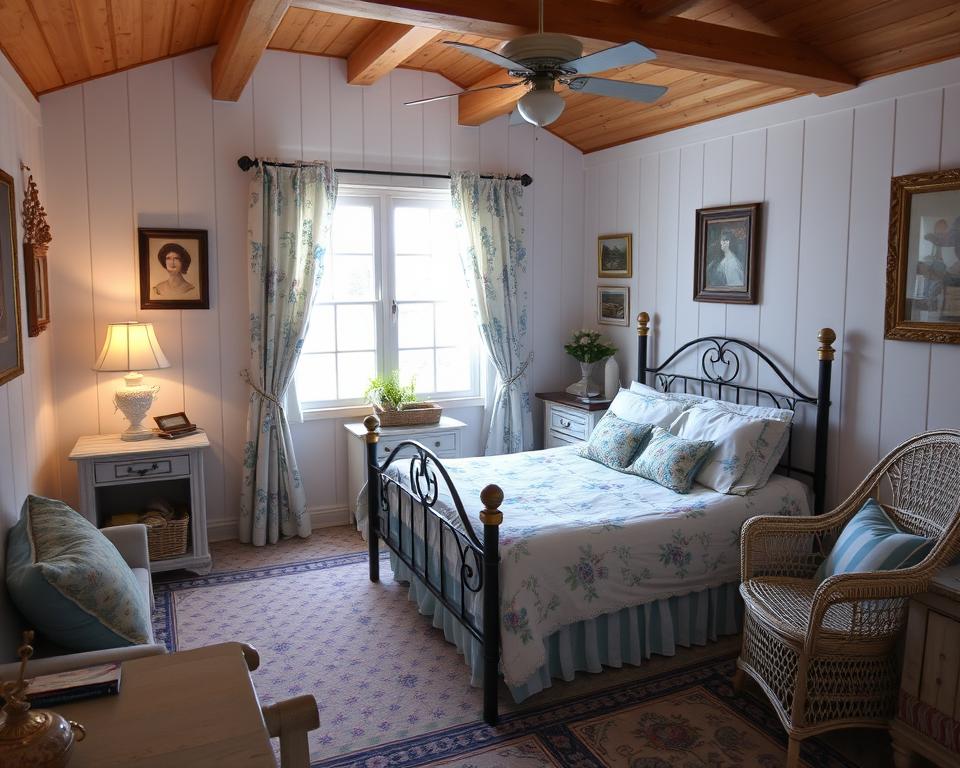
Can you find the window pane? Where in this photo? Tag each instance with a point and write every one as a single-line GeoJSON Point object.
{"type": "Point", "coordinates": [411, 230]}
{"type": "Point", "coordinates": [352, 277]}
{"type": "Point", "coordinates": [356, 327]}
{"type": "Point", "coordinates": [320, 333]}
{"type": "Point", "coordinates": [415, 325]}
{"type": "Point", "coordinates": [442, 233]}
{"type": "Point", "coordinates": [354, 371]}
{"type": "Point", "coordinates": [455, 325]}
{"type": "Point", "coordinates": [316, 378]}
{"type": "Point", "coordinates": [415, 278]}
{"type": "Point", "coordinates": [352, 230]}
{"type": "Point", "coordinates": [453, 369]}
{"type": "Point", "coordinates": [418, 363]}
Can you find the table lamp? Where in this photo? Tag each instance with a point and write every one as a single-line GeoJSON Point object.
{"type": "Point", "coordinates": [132, 347]}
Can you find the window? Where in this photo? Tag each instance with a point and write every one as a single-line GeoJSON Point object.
{"type": "Point", "coordinates": [392, 297]}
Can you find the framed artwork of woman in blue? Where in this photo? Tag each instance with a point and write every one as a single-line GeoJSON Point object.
{"type": "Point", "coordinates": [727, 246]}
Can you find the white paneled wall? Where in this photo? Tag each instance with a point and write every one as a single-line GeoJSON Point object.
{"type": "Point", "coordinates": [149, 147]}
{"type": "Point", "coordinates": [822, 168]}
{"type": "Point", "coordinates": [27, 418]}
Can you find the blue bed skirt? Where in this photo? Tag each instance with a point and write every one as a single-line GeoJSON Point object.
{"type": "Point", "coordinates": [627, 636]}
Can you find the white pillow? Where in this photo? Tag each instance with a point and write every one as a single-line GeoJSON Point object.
{"type": "Point", "coordinates": [751, 411]}
{"type": "Point", "coordinates": [679, 397]}
{"type": "Point", "coordinates": [645, 409]}
{"type": "Point", "coordinates": [746, 450]}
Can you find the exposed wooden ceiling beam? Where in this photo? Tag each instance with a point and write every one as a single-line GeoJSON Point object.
{"type": "Point", "coordinates": [247, 28]}
{"type": "Point", "coordinates": [477, 108]}
{"type": "Point", "coordinates": [662, 7]}
{"type": "Point", "coordinates": [383, 49]}
{"type": "Point", "coordinates": [678, 42]}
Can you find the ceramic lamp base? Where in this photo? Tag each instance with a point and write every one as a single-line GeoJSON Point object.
{"type": "Point", "coordinates": [134, 402]}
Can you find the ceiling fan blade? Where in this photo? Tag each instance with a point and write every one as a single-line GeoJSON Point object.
{"type": "Point", "coordinates": [618, 56]}
{"type": "Point", "coordinates": [617, 89]}
{"type": "Point", "coordinates": [491, 56]}
{"type": "Point", "coordinates": [461, 93]}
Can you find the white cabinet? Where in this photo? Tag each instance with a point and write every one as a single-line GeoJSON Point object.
{"type": "Point", "coordinates": [123, 476]}
{"type": "Point", "coordinates": [567, 420]}
{"type": "Point", "coordinates": [443, 439]}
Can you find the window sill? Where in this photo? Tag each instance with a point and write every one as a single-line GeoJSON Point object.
{"type": "Point", "coordinates": [359, 411]}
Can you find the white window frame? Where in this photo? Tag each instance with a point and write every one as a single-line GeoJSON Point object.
{"type": "Point", "coordinates": [386, 199]}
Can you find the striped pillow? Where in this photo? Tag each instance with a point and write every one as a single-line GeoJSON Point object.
{"type": "Point", "coordinates": [871, 541]}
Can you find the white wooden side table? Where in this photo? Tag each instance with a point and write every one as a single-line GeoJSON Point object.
{"type": "Point", "coordinates": [123, 476]}
{"type": "Point", "coordinates": [443, 439]}
{"type": "Point", "coordinates": [567, 420]}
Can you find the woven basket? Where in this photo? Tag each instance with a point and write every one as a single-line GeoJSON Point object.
{"type": "Point", "coordinates": [166, 538]}
{"type": "Point", "coordinates": [412, 415]}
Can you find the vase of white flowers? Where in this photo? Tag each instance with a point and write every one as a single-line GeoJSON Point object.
{"type": "Point", "coordinates": [589, 350]}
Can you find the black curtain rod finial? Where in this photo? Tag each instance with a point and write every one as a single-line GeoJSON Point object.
{"type": "Point", "coordinates": [246, 163]}
{"type": "Point", "coordinates": [526, 180]}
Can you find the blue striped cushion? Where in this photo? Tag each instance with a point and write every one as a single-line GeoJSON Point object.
{"type": "Point", "coordinates": [871, 541]}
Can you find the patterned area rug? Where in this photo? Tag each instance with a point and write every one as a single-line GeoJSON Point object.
{"type": "Point", "coordinates": [392, 692]}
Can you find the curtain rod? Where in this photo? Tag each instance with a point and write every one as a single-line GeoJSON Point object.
{"type": "Point", "coordinates": [246, 163]}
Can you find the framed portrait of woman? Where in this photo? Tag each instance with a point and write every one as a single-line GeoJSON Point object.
{"type": "Point", "coordinates": [11, 341]}
{"type": "Point", "coordinates": [726, 254]}
{"type": "Point", "coordinates": [173, 269]}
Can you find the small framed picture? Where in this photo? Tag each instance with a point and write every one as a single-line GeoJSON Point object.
{"type": "Point", "coordinates": [613, 304]}
{"type": "Point", "coordinates": [726, 254]}
{"type": "Point", "coordinates": [173, 269]}
{"type": "Point", "coordinates": [174, 422]}
{"type": "Point", "coordinates": [615, 256]}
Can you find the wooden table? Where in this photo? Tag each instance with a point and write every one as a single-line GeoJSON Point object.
{"type": "Point", "coordinates": [191, 709]}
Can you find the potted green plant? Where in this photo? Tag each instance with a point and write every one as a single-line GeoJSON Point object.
{"type": "Point", "coordinates": [589, 348]}
{"type": "Point", "coordinates": [396, 404]}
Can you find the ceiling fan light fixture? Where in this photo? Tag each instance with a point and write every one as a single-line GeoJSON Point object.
{"type": "Point", "coordinates": [540, 106]}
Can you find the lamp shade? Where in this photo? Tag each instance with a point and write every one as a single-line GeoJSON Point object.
{"type": "Point", "coordinates": [541, 106]}
{"type": "Point", "coordinates": [131, 346]}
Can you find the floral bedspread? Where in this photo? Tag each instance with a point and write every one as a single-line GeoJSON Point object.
{"type": "Point", "coordinates": [579, 540]}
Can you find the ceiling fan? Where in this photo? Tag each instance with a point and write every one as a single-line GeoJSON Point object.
{"type": "Point", "coordinates": [542, 60]}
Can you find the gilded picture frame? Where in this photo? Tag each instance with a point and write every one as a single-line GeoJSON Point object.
{"type": "Point", "coordinates": [11, 338]}
{"type": "Point", "coordinates": [174, 271]}
{"type": "Point", "coordinates": [615, 255]}
{"type": "Point", "coordinates": [923, 258]}
{"type": "Point", "coordinates": [726, 254]}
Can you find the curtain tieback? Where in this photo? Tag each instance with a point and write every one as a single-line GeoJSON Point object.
{"type": "Point", "coordinates": [523, 369]}
{"type": "Point", "coordinates": [245, 375]}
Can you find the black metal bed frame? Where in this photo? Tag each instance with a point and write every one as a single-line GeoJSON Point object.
{"type": "Point", "coordinates": [478, 559]}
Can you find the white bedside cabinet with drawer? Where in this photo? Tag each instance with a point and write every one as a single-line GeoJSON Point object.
{"type": "Point", "coordinates": [444, 439]}
{"type": "Point", "coordinates": [567, 420]}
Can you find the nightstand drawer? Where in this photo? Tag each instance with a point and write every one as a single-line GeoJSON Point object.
{"type": "Point", "coordinates": [569, 422]}
{"type": "Point", "coordinates": [438, 442]}
{"type": "Point", "coordinates": [161, 466]}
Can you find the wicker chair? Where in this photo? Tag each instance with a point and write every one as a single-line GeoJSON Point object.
{"type": "Point", "coordinates": [826, 655]}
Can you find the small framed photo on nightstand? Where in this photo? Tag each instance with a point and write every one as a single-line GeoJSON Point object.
{"type": "Point", "coordinates": [175, 425]}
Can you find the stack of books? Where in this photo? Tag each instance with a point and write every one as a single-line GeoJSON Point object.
{"type": "Point", "coordinates": [59, 688]}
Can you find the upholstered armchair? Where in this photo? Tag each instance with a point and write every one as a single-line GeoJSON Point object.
{"type": "Point", "coordinates": [825, 653]}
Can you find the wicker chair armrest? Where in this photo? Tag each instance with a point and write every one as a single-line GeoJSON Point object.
{"type": "Point", "coordinates": [773, 545]}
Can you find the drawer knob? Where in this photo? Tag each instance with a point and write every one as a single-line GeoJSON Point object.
{"type": "Point", "coordinates": [564, 424]}
{"type": "Point", "coordinates": [152, 468]}
{"type": "Point", "coordinates": [386, 450]}
{"type": "Point", "coordinates": [436, 444]}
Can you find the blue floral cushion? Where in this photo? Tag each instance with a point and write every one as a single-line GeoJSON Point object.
{"type": "Point", "coordinates": [614, 441]}
{"type": "Point", "coordinates": [871, 541]}
{"type": "Point", "coordinates": [70, 582]}
{"type": "Point", "coordinates": [671, 461]}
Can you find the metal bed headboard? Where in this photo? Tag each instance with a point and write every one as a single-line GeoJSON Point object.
{"type": "Point", "coordinates": [724, 351]}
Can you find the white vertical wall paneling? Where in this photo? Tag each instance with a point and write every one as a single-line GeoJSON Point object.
{"type": "Point", "coordinates": [821, 287]}
{"type": "Point", "coordinates": [608, 192]}
{"type": "Point", "coordinates": [494, 146]}
{"type": "Point", "coordinates": [436, 133]}
{"type": "Point", "coordinates": [376, 126]}
{"type": "Point", "coordinates": [628, 210]}
{"type": "Point", "coordinates": [669, 192]}
{"type": "Point", "coordinates": [860, 349]}
{"type": "Point", "coordinates": [592, 227]}
{"type": "Point", "coordinates": [943, 406]}
{"type": "Point", "coordinates": [781, 248]}
{"type": "Point", "coordinates": [153, 162]}
{"type": "Point", "coordinates": [747, 186]}
{"type": "Point", "coordinates": [196, 198]}
{"type": "Point", "coordinates": [647, 243]}
{"type": "Point", "coordinates": [233, 137]}
{"type": "Point", "coordinates": [906, 364]}
{"type": "Point", "coordinates": [71, 294]}
{"type": "Point", "coordinates": [315, 112]}
{"type": "Point", "coordinates": [691, 198]}
{"type": "Point", "coordinates": [464, 141]}
{"type": "Point", "coordinates": [571, 243]}
{"type": "Point", "coordinates": [406, 124]}
{"type": "Point", "coordinates": [11, 396]}
{"type": "Point", "coordinates": [107, 121]}
{"type": "Point", "coordinates": [347, 113]}
{"type": "Point", "coordinates": [717, 173]}
{"type": "Point", "coordinates": [277, 119]}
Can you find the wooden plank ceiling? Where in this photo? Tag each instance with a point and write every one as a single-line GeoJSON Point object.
{"type": "Point", "coordinates": [716, 57]}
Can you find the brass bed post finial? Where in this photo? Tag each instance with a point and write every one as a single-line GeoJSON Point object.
{"type": "Point", "coordinates": [643, 324]}
{"type": "Point", "coordinates": [492, 498]}
{"type": "Point", "coordinates": [372, 423]}
{"type": "Point", "coordinates": [826, 337]}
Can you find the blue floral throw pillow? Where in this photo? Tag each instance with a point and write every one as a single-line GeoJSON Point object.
{"type": "Point", "coordinates": [671, 461]}
{"type": "Point", "coordinates": [615, 441]}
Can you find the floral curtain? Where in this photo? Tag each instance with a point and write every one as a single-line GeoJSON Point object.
{"type": "Point", "coordinates": [489, 221]}
{"type": "Point", "coordinates": [289, 232]}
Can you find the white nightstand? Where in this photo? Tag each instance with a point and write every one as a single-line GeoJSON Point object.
{"type": "Point", "coordinates": [120, 476]}
{"type": "Point", "coordinates": [567, 420]}
{"type": "Point", "coordinates": [443, 439]}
